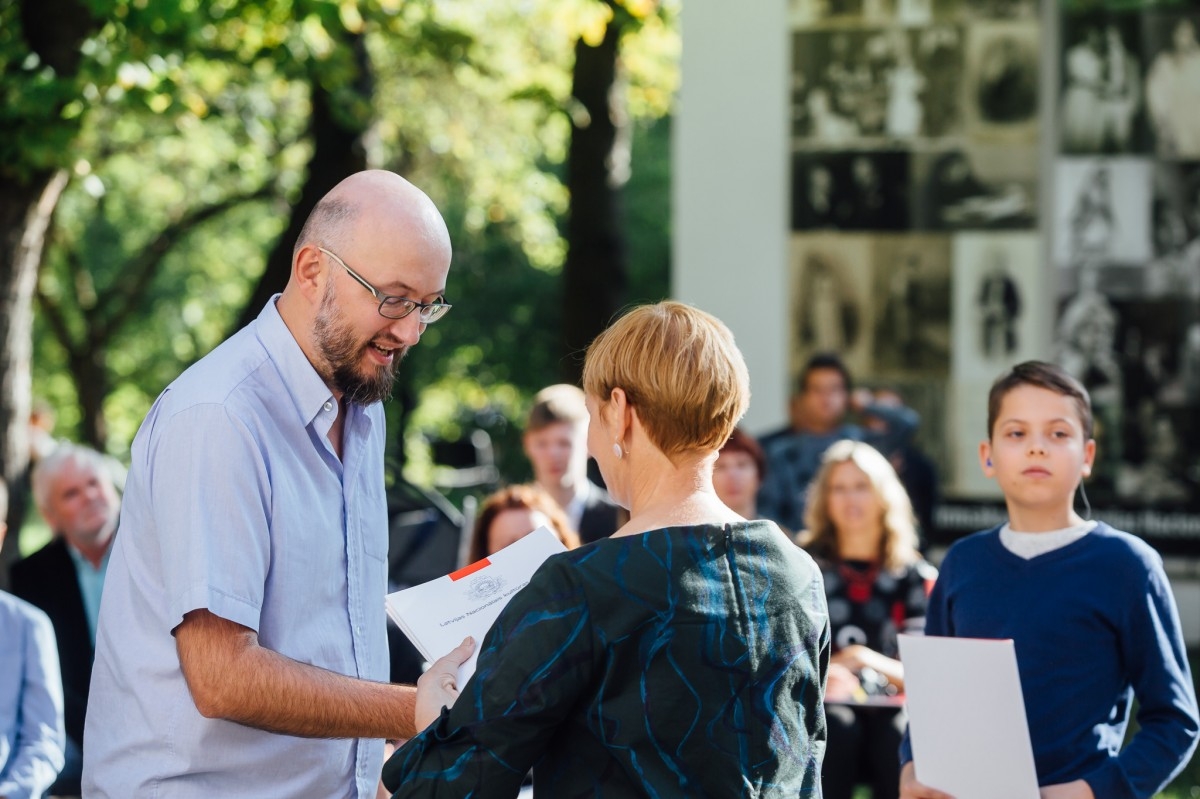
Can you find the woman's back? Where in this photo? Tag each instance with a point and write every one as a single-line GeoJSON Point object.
{"type": "Point", "coordinates": [680, 662]}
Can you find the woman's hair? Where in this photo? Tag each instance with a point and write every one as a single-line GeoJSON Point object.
{"type": "Point", "coordinates": [519, 497]}
{"type": "Point", "coordinates": [741, 441]}
{"type": "Point", "coordinates": [899, 546]}
{"type": "Point", "coordinates": [679, 368]}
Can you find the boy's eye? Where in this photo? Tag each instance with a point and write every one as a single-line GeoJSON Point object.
{"type": "Point", "coordinates": [1015, 433]}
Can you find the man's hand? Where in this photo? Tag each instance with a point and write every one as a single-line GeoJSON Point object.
{"type": "Point", "coordinates": [911, 789]}
{"type": "Point", "coordinates": [1068, 790]}
{"type": "Point", "coordinates": [438, 687]}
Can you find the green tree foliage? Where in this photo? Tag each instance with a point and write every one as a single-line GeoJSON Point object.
{"type": "Point", "coordinates": [185, 165]}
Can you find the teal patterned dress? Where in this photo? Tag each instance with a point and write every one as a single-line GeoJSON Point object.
{"type": "Point", "coordinates": [687, 661]}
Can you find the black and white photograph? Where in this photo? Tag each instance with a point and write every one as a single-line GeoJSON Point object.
{"type": "Point", "coordinates": [967, 427]}
{"type": "Point", "coordinates": [1001, 98]}
{"type": "Point", "coordinates": [1086, 345]}
{"type": "Point", "coordinates": [1000, 290]}
{"type": "Point", "coordinates": [1002, 9]}
{"type": "Point", "coordinates": [975, 188]}
{"type": "Point", "coordinates": [1141, 370]}
{"type": "Point", "coordinates": [911, 292]}
{"type": "Point", "coordinates": [875, 87]}
{"type": "Point", "coordinates": [831, 299]}
{"type": "Point", "coordinates": [1087, 227]}
{"type": "Point", "coordinates": [850, 190]}
{"type": "Point", "coordinates": [804, 13]}
{"type": "Point", "coordinates": [1175, 270]}
{"type": "Point", "coordinates": [1100, 102]}
{"type": "Point", "coordinates": [1173, 83]}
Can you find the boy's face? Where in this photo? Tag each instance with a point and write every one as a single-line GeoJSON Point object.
{"type": "Point", "coordinates": [1037, 453]}
{"type": "Point", "coordinates": [558, 452]}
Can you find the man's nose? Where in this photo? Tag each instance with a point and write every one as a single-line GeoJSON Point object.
{"type": "Point", "coordinates": [408, 330]}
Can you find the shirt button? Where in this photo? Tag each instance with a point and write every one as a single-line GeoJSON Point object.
{"type": "Point", "coordinates": [328, 406]}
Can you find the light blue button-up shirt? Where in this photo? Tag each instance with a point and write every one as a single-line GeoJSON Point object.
{"type": "Point", "coordinates": [31, 701]}
{"type": "Point", "coordinates": [236, 503]}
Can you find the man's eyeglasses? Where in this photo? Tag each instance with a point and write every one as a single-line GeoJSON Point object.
{"type": "Point", "coordinates": [393, 307]}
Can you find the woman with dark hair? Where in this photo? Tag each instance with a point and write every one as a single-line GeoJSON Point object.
{"type": "Point", "coordinates": [738, 473]}
{"type": "Point", "coordinates": [514, 512]}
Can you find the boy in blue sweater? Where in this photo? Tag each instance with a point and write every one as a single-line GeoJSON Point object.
{"type": "Point", "coordinates": [1088, 607]}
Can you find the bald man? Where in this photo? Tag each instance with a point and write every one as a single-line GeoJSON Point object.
{"type": "Point", "coordinates": [241, 649]}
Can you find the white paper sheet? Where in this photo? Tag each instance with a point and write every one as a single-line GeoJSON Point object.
{"type": "Point", "coordinates": [437, 615]}
{"type": "Point", "coordinates": [966, 717]}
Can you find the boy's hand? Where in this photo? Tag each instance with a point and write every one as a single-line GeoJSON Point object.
{"type": "Point", "coordinates": [911, 789]}
{"type": "Point", "coordinates": [438, 687]}
{"type": "Point", "coordinates": [1068, 790]}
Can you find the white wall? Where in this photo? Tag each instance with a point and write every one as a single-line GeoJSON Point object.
{"type": "Point", "coordinates": [730, 160]}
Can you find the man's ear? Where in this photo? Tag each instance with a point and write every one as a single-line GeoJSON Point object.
{"type": "Point", "coordinates": [308, 274]}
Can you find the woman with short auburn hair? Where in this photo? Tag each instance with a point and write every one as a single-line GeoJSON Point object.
{"type": "Point", "coordinates": [683, 656]}
{"type": "Point", "coordinates": [513, 512]}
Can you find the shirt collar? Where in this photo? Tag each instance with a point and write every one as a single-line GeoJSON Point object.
{"type": "Point", "coordinates": [83, 563]}
{"type": "Point", "coordinates": [313, 399]}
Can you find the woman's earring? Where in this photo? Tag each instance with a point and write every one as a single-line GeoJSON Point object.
{"type": "Point", "coordinates": [617, 451]}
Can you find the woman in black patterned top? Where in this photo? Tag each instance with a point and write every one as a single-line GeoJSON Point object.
{"type": "Point", "coordinates": [684, 655]}
{"type": "Point", "coordinates": [862, 534]}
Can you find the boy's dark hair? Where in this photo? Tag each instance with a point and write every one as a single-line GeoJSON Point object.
{"type": "Point", "coordinates": [1042, 375]}
{"type": "Point", "coordinates": [823, 360]}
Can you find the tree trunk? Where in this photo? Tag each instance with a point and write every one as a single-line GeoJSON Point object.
{"type": "Point", "coordinates": [338, 152]}
{"type": "Point", "coordinates": [90, 374]}
{"type": "Point", "coordinates": [26, 208]}
{"type": "Point", "coordinates": [595, 275]}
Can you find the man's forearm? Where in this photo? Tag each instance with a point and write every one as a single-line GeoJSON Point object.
{"type": "Point", "coordinates": [234, 678]}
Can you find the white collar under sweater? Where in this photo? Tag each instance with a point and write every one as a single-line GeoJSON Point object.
{"type": "Point", "coordinates": [1030, 545]}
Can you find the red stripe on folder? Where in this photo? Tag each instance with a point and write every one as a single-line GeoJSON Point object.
{"type": "Point", "coordinates": [466, 571]}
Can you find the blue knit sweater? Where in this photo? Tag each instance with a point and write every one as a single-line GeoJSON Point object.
{"type": "Point", "coordinates": [1094, 624]}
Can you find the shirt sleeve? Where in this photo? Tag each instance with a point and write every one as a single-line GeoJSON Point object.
{"type": "Point", "coordinates": [533, 663]}
{"type": "Point", "coordinates": [37, 755]}
{"type": "Point", "coordinates": [211, 509]}
{"type": "Point", "coordinates": [1152, 646]}
{"type": "Point", "coordinates": [900, 422]}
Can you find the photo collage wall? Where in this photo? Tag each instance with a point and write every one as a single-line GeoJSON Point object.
{"type": "Point", "coordinates": [922, 217]}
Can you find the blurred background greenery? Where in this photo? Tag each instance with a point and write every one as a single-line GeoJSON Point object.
{"type": "Point", "coordinates": [193, 137]}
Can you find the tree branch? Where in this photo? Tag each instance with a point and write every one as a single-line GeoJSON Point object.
{"type": "Point", "coordinates": [126, 296]}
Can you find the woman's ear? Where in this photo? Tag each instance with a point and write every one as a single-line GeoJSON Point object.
{"type": "Point", "coordinates": [621, 420]}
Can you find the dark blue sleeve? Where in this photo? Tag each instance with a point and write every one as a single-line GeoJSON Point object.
{"type": "Point", "coordinates": [901, 422]}
{"type": "Point", "coordinates": [533, 662]}
{"type": "Point", "coordinates": [777, 494]}
{"type": "Point", "coordinates": [1152, 647]}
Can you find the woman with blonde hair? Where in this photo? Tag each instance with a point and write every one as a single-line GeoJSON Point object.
{"type": "Point", "coordinates": [684, 655]}
{"type": "Point", "coordinates": [862, 532]}
{"type": "Point", "coordinates": [514, 512]}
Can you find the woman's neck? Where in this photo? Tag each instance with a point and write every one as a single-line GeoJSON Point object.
{"type": "Point", "coordinates": [673, 493]}
{"type": "Point", "coordinates": [863, 544]}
